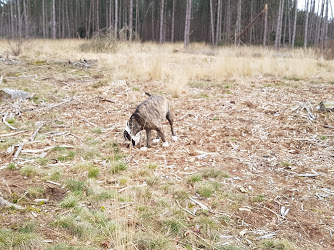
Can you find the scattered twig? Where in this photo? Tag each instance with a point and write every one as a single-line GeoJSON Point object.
{"type": "Point", "coordinates": [90, 123]}
{"type": "Point", "coordinates": [125, 188]}
{"type": "Point", "coordinates": [18, 151]}
{"type": "Point", "coordinates": [36, 131]}
{"type": "Point", "coordinates": [54, 105]}
{"type": "Point", "coordinates": [4, 181]}
{"type": "Point", "coordinates": [25, 193]}
{"type": "Point", "coordinates": [200, 204]}
{"type": "Point", "coordinates": [54, 183]}
{"type": "Point", "coordinates": [188, 211]}
{"type": "Point", "coordinates": [4, 118]}
{"type": "Point", "coordinates": [277, 215]}
{"type": "Point", "coordinates": [308, 175]}
{"type": "Point", "coordinates": [14, 133]}
{"type": "Point", "coordinates": [311, 117]}
{"type": "Point", "coordinates": [16, 77]}
{"type": "Point", "coordinates": [177, 177]}
{"type": "Point", "coordinates": [105, 99]}
{"type": "Point", "coordinates": [36, 151]}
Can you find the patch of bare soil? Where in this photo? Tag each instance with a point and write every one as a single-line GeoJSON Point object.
{"type": "Point", "coordinates": [270, 138]}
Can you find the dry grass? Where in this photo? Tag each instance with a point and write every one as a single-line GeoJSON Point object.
{"type": "Point", "coordinates": [237, 105]}
{"type": "Point", "coordinates": [170, 65]}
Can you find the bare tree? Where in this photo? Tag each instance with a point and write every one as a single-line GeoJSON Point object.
{"type": "Point", "coordinates": [162, 20]}
{"type": "Point", "coordinates": [218, 28]}
{"type": "Point", "coordinates": [279, 25]}
{"type": "Point", "coordinates": [306, 22]}
{"type": "Point", "coordinates": [130, 19]}
{"type": "Point", "coordinates": [228, 20]}
{"type": "Point", "coordinates": [137, 17]}
{"type": "Point", "coordinates": [265, 25]}
{"type": "Point", "coordinates": [53, 19]}
{"type": "Point", "coordinates": [173, 22]}
{"type": "Point", "coordinates": [187, 25]}
{"type": "Point", "coordinates": [324, 27]}
{"type": "Point", "coordinates": [116, 18]}
{"type": "Point", "coordinates": [238, 24]}
{"type": "Point", "coordinates": [26, 23]}
{"type": "Point", "coordinates": [212, 24]}
{"type": "Point", "coordinates": [319, 26]}
{"type": "Point", "coordinates": [294, 24]}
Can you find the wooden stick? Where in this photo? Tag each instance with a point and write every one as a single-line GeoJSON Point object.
{"type": "Point", "coordinates": [53, 106]}
{"type": "Point", "coordinates": [36, 151]}
{"type": "Point", "coordinates": [12, 134]}
{"type": "Point", "coordinates": [200, 204]}
{"type": "Point", "coordinates": [5, 203]}
{"type": "Point", "coordinates": [36, 131]}
{"type": "Point", "coordinates": [18, 151]}
{"type": "Point", "coordinates": [6, 123]}
{"type": "Point", "coordinates": [10, 191]}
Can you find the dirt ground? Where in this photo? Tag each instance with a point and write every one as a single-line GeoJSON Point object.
{"type": "Point", "coordinates": [279, 156]}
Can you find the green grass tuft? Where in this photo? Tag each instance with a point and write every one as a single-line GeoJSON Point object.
{"type": "Point", "coordinates": [118, 166]}
{"type": "Point", "coordinates": [69, 201]}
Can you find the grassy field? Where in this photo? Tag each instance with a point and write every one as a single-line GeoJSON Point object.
{"type": "Point", "coordinates": [252, 169]}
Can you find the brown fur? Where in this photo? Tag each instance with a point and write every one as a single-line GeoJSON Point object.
{"type": "Point", "coordinates": [149, 116]}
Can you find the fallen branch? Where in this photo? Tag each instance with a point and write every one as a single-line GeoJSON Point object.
{"type": "Point", "coordinates": [106, 100]}
{"type": "Point", "coordinates": [125, 188]}
{"type": "Point", "coordinates": [18, 151]}
{"type": "Point", "coordinates": [36, 151]}
{"type": "Point", "coordinates": [4, 118]}
{"type": "Point", "coordinates": [5, 203]}
{"type": "Point", "coordinates": [308, 175]}
{"type": "Point", "coordinates": [53, 106]}
{"type": "Point", "coordinates": [200, 204]}
{"type": "Point", "coordinates": [12, 134]}
{"type": "Point", "coordinates": [36, 131]}
{"type": "Point", "coordinates": [4, 181]}
{"type": "Point", "coordinates": [90, 123]}
{"type": "Point", "coordinates": [54, 183]}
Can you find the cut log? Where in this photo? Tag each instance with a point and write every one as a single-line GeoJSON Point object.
{"type": "Point", "coordinates": [326, 106]}
{"type": "Point", "coordinates": [5, 203]}
{"type": "Point", "coordinates": [6, 94]}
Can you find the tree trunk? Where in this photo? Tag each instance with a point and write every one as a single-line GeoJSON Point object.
{"type": "Point", "coordinates": [116, 18]}
{"type": "Point", "coordinates": [318, 29]}
{"type": "Point", "coordinates": [265, 25]}
{"type": "Point", "coordinates": [285, 21]}
{"type": "Point", "coordinates": [53, 19]}
{"type": "Point", "coordinates": [238, 24]}
{"type": "Point", "coordinates": [212, 24]}
{"type": "Point", "coordinates": [152, 23]}
{"type": "Point", "coordinates": [289, 23]}
{"type": "Point", "coordinates": [97, 18]}
{"type": "Point", "coordinates": [218, 20]}
{"type": "Point", "coordinates": [250, 20]}
{"type": "Point", "coordinates": [161, 20]}
{"type": "Point", "coordinates": [130, 19]}
{"type": "Point", "coordinates": [228, 20]}
{"type": "Point", "coordinates": [173, 22]}
{"type": "Point", "coordinates": [137, 17]}
{"type": "Point", "coordinates": [12, 34]}
{"type": "Point", "coordinates": [279, 25]}
{"type": "Point", "coordinates": [187, 25]}
{"type": "Point", "coordinates": [19, 18]}
{"type": "Point", "coordinates": [306, 23]}
{"type": "Point", "coordinates": [26, 23]}
{"type": "Point", "coordinates": [294, 25]}
{"type": "Point", "coordinates": [43, 18]}
{"type": "Point", "coordinates": [324, 26]}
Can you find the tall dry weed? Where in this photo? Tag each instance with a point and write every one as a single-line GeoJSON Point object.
{"type": "Point", "coordinates": [171, 65]}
